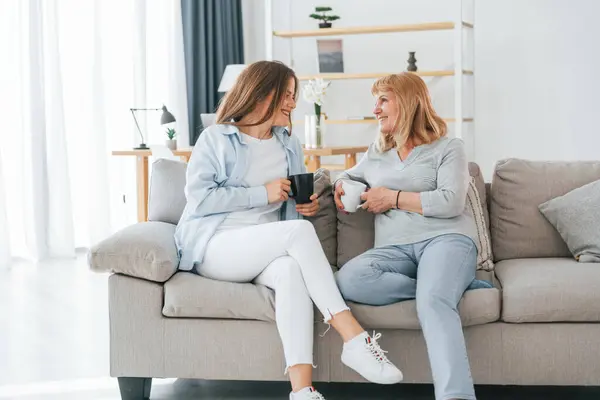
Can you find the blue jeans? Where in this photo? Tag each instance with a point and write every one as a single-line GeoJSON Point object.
{"type": "Point", "coordinates": [436, 272]}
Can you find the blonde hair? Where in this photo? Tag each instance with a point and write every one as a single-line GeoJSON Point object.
{"type": "Point", "coordinates": [417, 120]}
{"type": "Point", "coordinates": [254, 84]}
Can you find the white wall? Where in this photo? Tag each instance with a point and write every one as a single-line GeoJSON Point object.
{"type": "Point", "coordinates": [536, 66]}
{"type": "Point", "coordinates": [537, 81]}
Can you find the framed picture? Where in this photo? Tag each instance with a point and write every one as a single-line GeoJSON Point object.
{"type": "Point", "coordinates": [331, 55]}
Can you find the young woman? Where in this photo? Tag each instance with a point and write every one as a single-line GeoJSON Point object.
{"type": "Point", "coordinates": [424, 235]}
{"type": "Point", "coordinates": [240, 225]}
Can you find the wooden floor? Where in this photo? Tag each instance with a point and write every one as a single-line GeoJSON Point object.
{"type": "Point", "coordinates": [54, 346]}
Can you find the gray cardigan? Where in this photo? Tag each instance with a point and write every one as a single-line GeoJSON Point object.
{"type": "Point", "coordinates": [439, 172]}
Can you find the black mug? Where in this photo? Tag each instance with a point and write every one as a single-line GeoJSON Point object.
{"type": "Point", "coordinates": [302, 187]}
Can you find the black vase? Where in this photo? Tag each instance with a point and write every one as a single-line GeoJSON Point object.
{"type": "Point", "coordinates": [325, 25]}
{"type": "Point", "coordinates": [412, 62]}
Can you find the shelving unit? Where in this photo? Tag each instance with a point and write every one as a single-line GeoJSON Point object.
{"type": "Point", "coordinates": [457, 27]}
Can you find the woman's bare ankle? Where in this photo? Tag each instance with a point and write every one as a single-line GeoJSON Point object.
{"type": "Point", "coordinates": [300, 376]}
{"type": "Point", "coordinates": [346, 325]}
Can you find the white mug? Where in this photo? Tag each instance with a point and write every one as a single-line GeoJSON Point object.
{"type": "Point", "coordinates": [351, 197]}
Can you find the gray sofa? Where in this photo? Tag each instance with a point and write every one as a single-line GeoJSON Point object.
{"type": "Point", "coordinates": [539, 325]}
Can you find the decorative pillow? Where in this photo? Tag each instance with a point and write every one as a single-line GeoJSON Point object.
{"type": "Point", "coordinates": [325, 222]}
{"type": "Point", "coordinates": [576, 217]}
{"type": "Point", "coordinates": [144, 250]}
{"type": "Point", "coordinates": [483, 242]}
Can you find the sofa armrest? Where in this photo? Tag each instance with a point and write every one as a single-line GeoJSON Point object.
{"type": "Point", "coordinates": [145, 250]}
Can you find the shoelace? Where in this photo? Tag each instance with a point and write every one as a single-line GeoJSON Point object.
{"type": "Point", "coordinates": [377, 351]}
{"type": "Point", "coordinates": [315, 396]}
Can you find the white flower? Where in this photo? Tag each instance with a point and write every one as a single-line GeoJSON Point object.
{"type": "Point", "coordinates": [314, 91]}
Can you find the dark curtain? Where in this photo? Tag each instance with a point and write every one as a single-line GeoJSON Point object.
{"type": "Point", "coordinates": [212, 39]}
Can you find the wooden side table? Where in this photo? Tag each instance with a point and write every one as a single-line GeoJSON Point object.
{"type": "Point", "coordinates": [312, 158]}
{"type": "Point", "coordinates": [141, 177]}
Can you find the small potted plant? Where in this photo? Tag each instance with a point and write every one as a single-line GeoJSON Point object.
{"type": "Point", "coordinates": [171, 143]}
{"type": "Point", "coordinates": [324, 17]}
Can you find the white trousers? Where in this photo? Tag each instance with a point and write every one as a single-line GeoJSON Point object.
{"type": "Point", "coordinates": [287, 257]}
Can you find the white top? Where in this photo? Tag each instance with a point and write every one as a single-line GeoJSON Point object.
{"type": "Point", "coordinates": [266, 162]}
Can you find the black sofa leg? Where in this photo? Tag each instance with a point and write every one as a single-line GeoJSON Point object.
{"type": "Point", "coordinates": [135, 388]}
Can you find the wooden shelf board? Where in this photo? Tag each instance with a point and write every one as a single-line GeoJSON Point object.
{"type": "Point", "coordinates": [359, 30]}
{"type": "Point", "coordinates": [366, 121]}
{"type": "Point", "coordinates": [335, 151]}
{"type": "Point", "coordinates": [148, 153]}
{"type": "Point", "coordinates": [454, 119]}
{"type": "Point", "coordinates": [375, 75]}
{"type": "Point", "coordinates": [334, 167]}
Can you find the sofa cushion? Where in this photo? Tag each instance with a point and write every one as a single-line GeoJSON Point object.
{"type": "Point", "coordinates": [549, 290]}
{"type": "Point", "coordinates": [356, 231]}
{"type": "Point", "coordinates": [145, 250]}
{"type": "Point", "coordinates": [518, 228]}
{"type": "Point", "coordinates": [477, 307]}
{"type": "Point", "coordinates": [166, 197]}
{"type": "Point", "coordinates": [193, 296]}
{"type": "Point", "coordinates": [188, 295]}
{"type": "Point", "coordinates": [325, 222]}
{"type": "Point", "coordinates": [576, 217]}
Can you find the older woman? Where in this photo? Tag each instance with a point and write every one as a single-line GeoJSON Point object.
{"type": "Point", "coordinates": [424, 234]}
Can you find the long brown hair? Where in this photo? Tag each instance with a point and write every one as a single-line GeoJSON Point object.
{"type": "Point", "coordinates": [417, 119]}
{"type": "Point", "coordinates": [254, 84]}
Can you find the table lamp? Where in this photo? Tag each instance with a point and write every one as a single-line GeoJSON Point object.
{"type": "Point", "coordinates": [165, 118]}
{"type": "Point", "coordinates": [232, 71]}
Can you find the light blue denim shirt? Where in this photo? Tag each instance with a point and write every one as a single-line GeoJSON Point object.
{"type": "Point", "coordinates": [215, 187]}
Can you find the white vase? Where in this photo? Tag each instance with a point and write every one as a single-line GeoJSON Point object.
{"type": "Point", "coordinates": [313, 131]}
{"type": "Point", "coordinates": [321, 131]}
{"type": "Point", "coordinates": [171, 144]}
{"type": "Point", "coordinates": [309, 125]}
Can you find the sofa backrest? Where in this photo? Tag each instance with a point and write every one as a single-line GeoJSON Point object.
{"type": "Point", "coordinates": [342, 236]}
{"type": "Point", "coordinates": [166, 196]}
{"type": "Point", "coordinates": [518, 187]}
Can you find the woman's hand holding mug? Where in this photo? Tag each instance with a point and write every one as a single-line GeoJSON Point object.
{"type": "Point", "coordinates": [278, 190]}
{"type": "Point", "coordinates": [348, 199]}
{"type": "Point", "coordinates": [339, 192]}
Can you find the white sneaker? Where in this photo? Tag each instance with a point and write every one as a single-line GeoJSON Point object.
{"type": "Point", "coordinates": [308, 393]}
{"type": "Point", "coordinates": [364, 355]}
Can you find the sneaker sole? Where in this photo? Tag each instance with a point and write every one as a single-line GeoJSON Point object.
{"type": "Point", "coordinates": [378, 381]}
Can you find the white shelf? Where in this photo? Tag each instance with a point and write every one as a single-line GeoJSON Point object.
{"type": "Point", "coordinates": [375, 75]}
{"type": "Point", "coordinates": [366, 121]}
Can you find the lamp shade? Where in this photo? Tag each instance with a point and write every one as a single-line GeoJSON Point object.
{"type": "Point", "coordinates": [166, 117]}
{"type": "Point", "coordinates": [232, 71]}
